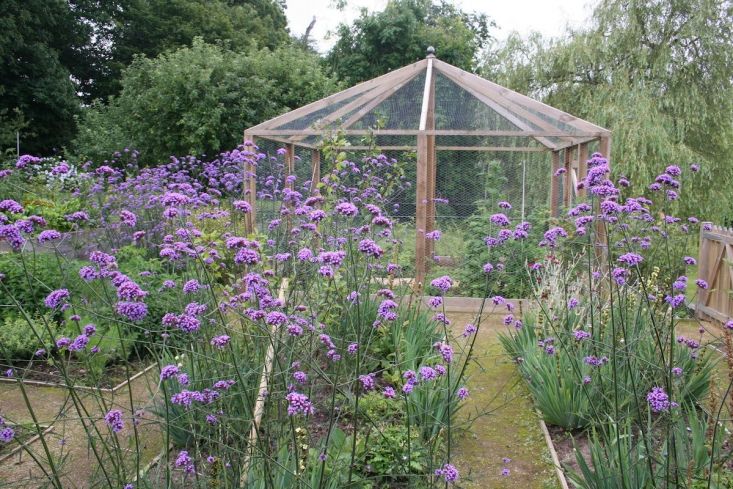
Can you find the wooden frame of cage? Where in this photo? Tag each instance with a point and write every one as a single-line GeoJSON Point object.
{"type": "Point", "coordinates": [531, 117]}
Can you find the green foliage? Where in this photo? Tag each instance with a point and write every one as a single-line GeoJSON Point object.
{"type": "Point", "coordinates": [382, 41]}
{"type": "Point", "coordinates": [659, 74]}
{"type": "Point", "coordinates": [386, 454]}
{"type": "Point", "coordinates": [199, 100]}
{"type": "Point", "coordinates": [19, 339]}
{"type": "Point", "coordinates": [38, 39]}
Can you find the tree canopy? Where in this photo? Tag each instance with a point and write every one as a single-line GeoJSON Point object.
{"type": "Point", "coordinates": [200, 99]}
{"type": "Point", "coordinates": [658, 73]}
{"type": "Point", "coordinates": [398, 35]}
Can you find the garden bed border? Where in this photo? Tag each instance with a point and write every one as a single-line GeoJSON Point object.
{"type": "Point", "coordinates": [107, 390]}
{"type": "Point", "coordinates": [31, 440]}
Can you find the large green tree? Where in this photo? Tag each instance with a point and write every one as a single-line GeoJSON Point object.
{"type": "Point", "coordinates": [199, 100]}
{"type": "Point", "coordinates": [658, 73]}
{"type": "Point", "coordinates": [152, 27]}
{"type": "Point", "coordinates": [398, 35]}
{"type": "Point", "coordinates": [40, 41]}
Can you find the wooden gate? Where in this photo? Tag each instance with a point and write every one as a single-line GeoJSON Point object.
{"type": "Point", "coordinates": [715, 266]}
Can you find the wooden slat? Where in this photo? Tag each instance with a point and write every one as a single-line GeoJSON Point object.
{"type": "Point", "coordinates": [555, 186]}
{"type": "Point", "coordinates": [604, 147]}
{"type": "Point", "coordinates": [421, 195]}
{"type": "Point", "coordinates": [415, 132]}
{"type": "Point", "coordinates": [496, 107]}
{"type": "Point", "coordinates": [582, 166]}
{"type": "Point", "coordinates": [548, 111]}
{"type": "Point", "coordinates": [338, 97]}
{"type": "Point", "coordinates": [249, 190]}
{"type": "Point", "coordinates": [316, 170]}
{"type": "Point", "coordinates": [568, 190]}
{"type": "Point", "coordinates": [516, 149]}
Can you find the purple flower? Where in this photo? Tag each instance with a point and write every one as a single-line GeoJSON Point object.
{"type": "Point", "coordinates": [220, 341]}
{"type": "Point", "coordinates": [48, 235]}
{"type": "Point", "coordinates": [658, 400]}
{"type": "Point", "coordinates": [367, 382]}
{"type": "Point", "coordinates": [300, 377]}
{"type": "Point", "coordinates": [11, 206]}
{"type": "Point", "coordinates": [443, 283]}
{"type": "Point", "coordinates": [114, 420]}
{"type": "Point", "coordinates": [630, 259]}
{"type": "Point", "coordinates": [370, 248]}
{"type": "Point", "coordinates": [505, 472]}
{"type": "Point", "coordinates": [168, 371]}
{"type": "Point", "coordinates": [242, 205]}
{"type": "Point", "coordinates": [299, 404]}
{"type": "Point", "coordinates": [433, 235]}
{"type": "Point", "coordinates": [499, 220]}
{"type": "Point", "coordinates": [694, 168]}
{"type": "Point", "coordinates": [134, 311]}
{"type": "Point", "coordinates": [90, 330]}
{"type": "Point", "coordinates": [128, 218]}
{"type": "Point", "coordinates": [7, 434]}
{"type": "Point", "coordinates": [573, 303]}
{"type": "Point", "coordinates": [446, 351]}
{"type": "Point", "coordinates": [581, 335]}
{"type": "Point", "coordinates": [185, 462]}
{"type": "Point", "coordinates": [689, 260]}
{"type": "Point", "coordinates": [56, 298]}
{"type": "Point", "coordinates": [79, 343]}
{"type": "Point", "coordinates": [677, 371]}
{"type": "Point", "coordinates": [675, 301]}
{"type": "Point", "coordinates": [462, 393]}
{"type": "Point", "coordinates": [448, 472]}
{"type": "Point", "coordinates": [388, 392]}
{"type": "Point", "coordinates": [191, 286]}
{"type": "Point", "coordinates": [347, 209]}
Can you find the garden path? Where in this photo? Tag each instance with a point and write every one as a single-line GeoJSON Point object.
{"type": "Point", "coordinates": [68, 441]}
{"type": "Point", "coordinates": [510, 427]}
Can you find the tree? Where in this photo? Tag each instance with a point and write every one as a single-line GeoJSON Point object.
{"type": "Point", "coordinates": [199, 100]}
{"type": "Point", "coordinates": [382, 41]}
{"type": "Point", "coordinates": [152, 27]}
{"type": "Point", "coordinates": [37, 94]}
{"type": "Point", "coordinates": [658, 73]}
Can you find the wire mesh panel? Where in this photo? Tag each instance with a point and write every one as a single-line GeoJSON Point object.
{"type": "Point", "coordinates": [466, 180]}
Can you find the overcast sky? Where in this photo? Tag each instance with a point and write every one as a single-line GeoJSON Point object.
{"type": "Point", "coordinates": [546, 16]}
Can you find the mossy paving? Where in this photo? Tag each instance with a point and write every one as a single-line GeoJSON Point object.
{"type": "Point", "coordinates": [68, 438]}
{"type": "Point", "coordinates": [509, 426]}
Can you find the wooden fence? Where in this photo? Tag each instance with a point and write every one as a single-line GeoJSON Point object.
{"type": "Point", "coordinates": [715, 266]}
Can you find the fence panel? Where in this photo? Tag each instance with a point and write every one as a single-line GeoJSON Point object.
{"type": "Point", "coordinates": [715, 266]}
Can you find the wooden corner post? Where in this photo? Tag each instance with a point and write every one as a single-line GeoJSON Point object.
{"type": "Point", "coordinates": [249, 185]}
{"type": "Point", "coordinates": [555, 186]}
{"type": "Point", "coordinates": [421, 211]}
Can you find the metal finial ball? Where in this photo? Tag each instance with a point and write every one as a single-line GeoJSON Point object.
{"type": "Point", "coordinates": [431, 50]}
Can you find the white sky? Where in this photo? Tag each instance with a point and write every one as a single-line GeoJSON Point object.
{"type": "Point", "coordinates": [546, 16]}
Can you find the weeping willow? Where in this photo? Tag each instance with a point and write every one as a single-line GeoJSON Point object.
{"type": "Point", "coordinates": [658, 73]}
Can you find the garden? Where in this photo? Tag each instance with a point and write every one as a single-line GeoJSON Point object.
{"type": "Point", "coordinates": [231, 260]}
{"type": "Point", "coordinates": [296, 356]}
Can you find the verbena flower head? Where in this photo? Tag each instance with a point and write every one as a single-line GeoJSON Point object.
{"type": "Point", "coordinates": [57, 298]}
{"type": "Point", "coordinates": [443, 283]}
{"type": "Point", "coordinates": [114, 420]}
{"type": "Point", "coordinates": [658, 400]}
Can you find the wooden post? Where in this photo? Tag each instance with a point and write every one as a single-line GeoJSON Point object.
{"type": "Point", "coordinates": [289, 162]}
{"type": "Point", "coordinates": [703, 271]}
{"type": "Point", "coordinates": [316, 175]}
{"type": "Point", "coordinates": [604, 147]}
{"type": "Point", "coordinates": [582, 166]}
{"type": "Point", "coordinates": [568, 186]}
{"type": "Point", "coordinates": [249, 187]}
{"type": "Point", "coordinates": [555, 186]}
{"type": "Point", "coordinates": [421, 210]}
{"type": "Point", "coordinates": [432, 168]}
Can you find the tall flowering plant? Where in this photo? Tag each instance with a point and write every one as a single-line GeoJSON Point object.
{"type": "Point", "coordinates": [273, 350]}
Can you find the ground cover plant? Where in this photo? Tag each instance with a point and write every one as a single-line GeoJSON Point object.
{"type": "Point", "coordinates": [285, 358]}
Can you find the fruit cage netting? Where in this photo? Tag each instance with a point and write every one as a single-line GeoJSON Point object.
{"type": "Point", "coordinates": [462, 142]}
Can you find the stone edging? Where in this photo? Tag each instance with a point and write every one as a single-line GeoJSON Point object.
{"type": "Point", "coordinates": [33, 439]}
{"type": "Point", "coordinates": [553, 453]}
{"type": "Point", "coordinates": [81, 387]}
